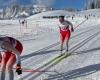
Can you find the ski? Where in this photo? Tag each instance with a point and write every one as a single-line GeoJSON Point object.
{"type": "Point", "coordinates": [54, 61]}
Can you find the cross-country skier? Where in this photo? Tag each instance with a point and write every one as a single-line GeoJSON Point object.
{"type": "Point", "coordinates": [65, 31]}
{"type": "Point", "coordinates": [11, 49]}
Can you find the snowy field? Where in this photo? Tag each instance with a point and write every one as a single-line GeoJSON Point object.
{"type": "Point", "coordinates": [41, 44]}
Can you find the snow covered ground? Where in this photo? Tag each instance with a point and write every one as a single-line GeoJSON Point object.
{"type": "Point", "coordinates": [41, 44]}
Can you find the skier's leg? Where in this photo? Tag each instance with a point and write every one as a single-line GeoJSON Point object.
{"type": "Point", "coordinates": [2, 74]}
{"type": "Point", "coordinates": [62, 38]}
{"type": "Point", "coordinates": [9, 66]}
{"type": "Point", "coordinates": [67, 40]}
{"type": "Point", "coordinates": [3, 68]}
{"type": "Point", "coordinates": [3, 65]}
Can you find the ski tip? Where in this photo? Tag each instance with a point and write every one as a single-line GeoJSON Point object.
{"type": "Point", "coordinates": [20, 77]}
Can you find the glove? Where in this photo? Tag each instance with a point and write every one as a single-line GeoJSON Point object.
{"type": "Point", "coordinates": [18, 69]}
{"type": "Point", "coordinates": [72, 29]}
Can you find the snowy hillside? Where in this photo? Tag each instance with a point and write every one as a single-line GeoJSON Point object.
{"type": "Point", "coordinates": [51, 13]}
{"type": "Point", "coordinates": [95, 12]}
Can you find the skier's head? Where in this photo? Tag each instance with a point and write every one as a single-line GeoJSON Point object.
{"type": "Point", "coordinates": [61, 18]}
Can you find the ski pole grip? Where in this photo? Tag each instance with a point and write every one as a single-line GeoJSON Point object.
{"type": "Point", "coordinates": [18, 69]}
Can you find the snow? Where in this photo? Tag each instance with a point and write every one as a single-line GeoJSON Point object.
{"type": "Point", "coordinates": [95, 12]}
{"type": "Point", "coordinates": [41, 44]}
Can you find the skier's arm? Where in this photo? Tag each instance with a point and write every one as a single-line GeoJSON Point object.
{"type": "Point", "coordinates": [59, 27]}
{"type": "Point", "coordinates": [72, 29]}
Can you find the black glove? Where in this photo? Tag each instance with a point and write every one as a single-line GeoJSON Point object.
{"type": "Point", "coordinates": [72, 29]}
{"type": "Point", "coordinates": [18, 69]}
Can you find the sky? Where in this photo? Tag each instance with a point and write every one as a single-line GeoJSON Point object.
{"type": "Point", "coordinates": [77, 4]}
{"type": "Point", "coordinates": [59, 4]}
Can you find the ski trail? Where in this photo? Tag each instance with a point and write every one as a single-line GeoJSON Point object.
{"type": "Point", "coordinates": [73, 49]}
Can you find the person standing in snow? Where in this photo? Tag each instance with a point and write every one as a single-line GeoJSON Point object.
{"type": "Point", "coordinates": [23, 23]}
{"type": "Point", "coordinates": [65, 31]}
{"type": "Point", "coordinates": [11, 49]}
